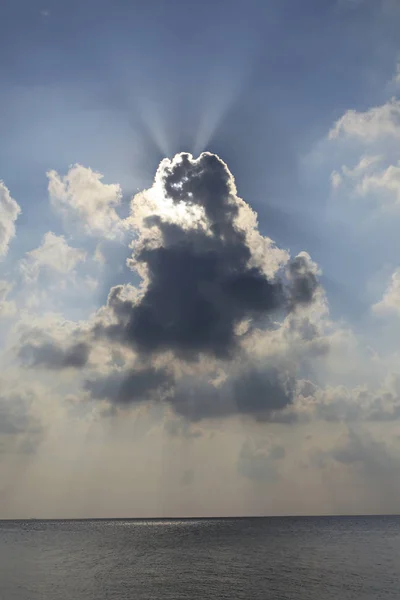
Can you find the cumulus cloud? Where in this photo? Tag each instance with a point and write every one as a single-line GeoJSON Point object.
{"type": "Point", "coordinates": [364, 166]}
{"type": "Point", "coordinates": [390, 302]}
{"type": "Point", "coordinates": [138, 385]}
{"type": "Point", "coordinates": [384, 183]}
{"type": "Point", "coordinates": [371, 180]}
{"type": "Point", "coordinates": [302, 274]}
{"type": "Point", "coordinates": [375, 173]}
{"type": "Point", "coordinates": [201, 278]}
{"type": "Point", "coordinates": [371, 125]}
{"type": "Point", "coordinates": [51, 343]}
{"type": "Point", "coordinates": [367, 141]}
{"type": "Point", "coordinates": [258, 392]}
{"type": "Point", "coordinates": [54, 254]}
{"type": "Point", "coordinates": [9, 211]}
{"type": "Point", "coordinates": [84, 201]}
{"type": "Point", "coordinates": [346, 405]}
{"type": "Point", "coordinates": [51, 356]}
{"type": "Point", "coordinates": [7, 307]}
{"type": "Point", "coordinates": [210, 284]}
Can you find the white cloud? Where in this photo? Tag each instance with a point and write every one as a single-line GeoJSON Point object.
{"type": "Point", "coordinates": [375, 174]}
{"type": "Point", "coordinates": [54, 254]}
{"type": "Point", "coordinates": [336, 179]}
{"type": "Point", "coordinates": [86, 202]}
{"type": "Point", "coordinates": [390, 302]}
{"type": "Point", "coordinates": [9, 211]}
{"type": "Point", "coordinates": [353, 175]}
{"type": "Point", "coordinates": [364, 165]}
{"type": "Point", "coordinates": [7, 307]}
{"type": "Point", "coordinates": [369, 126]}
{"type": "Point", "coordinates": [348, 405]}
{"type": "Point", "coordinates": [369, 179]}
{"type": "Point", "coordinates": [385, 184]}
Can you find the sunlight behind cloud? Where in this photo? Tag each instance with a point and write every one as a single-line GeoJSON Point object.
{"type": "Point", "coordinates": [197, 340]}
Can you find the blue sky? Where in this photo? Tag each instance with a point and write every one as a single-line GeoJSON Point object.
{"type": "Point", "coordinates": [116, 85]}
{"type": "Point", "coordinates": [292, 96]}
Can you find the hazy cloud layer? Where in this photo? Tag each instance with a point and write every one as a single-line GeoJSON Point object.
{"type": "Point", "coordinates": [260, 462]}
{"type": "Point", "coordinates": [21, 427]}
{"type": "Point", "coordinates": [361, 452]}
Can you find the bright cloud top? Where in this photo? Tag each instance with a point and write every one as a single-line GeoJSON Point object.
{"type": "Point", "coordinates": [217, 325]}
{"type": "Point", "coordinates": [53, 254]}
{"type": "Point", "coordinates": [9, 211]}
{"type": "Point", "coordinates": [212, 287]}
{"type": "Point", "coordinates": [84, 201]}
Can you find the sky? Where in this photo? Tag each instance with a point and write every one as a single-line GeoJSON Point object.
{"type": "Point", "coordinates": [199, 258]}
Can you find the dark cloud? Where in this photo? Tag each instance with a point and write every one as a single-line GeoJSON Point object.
{"type": "Point", "coordinates": [209, 280]}
{"type": "Point", "coordinates": [200, 284]}
{"type": "Point", "coordinates": [263, 391]}
{"type": "Point", "coordinates": [52, 356]}
{"type": "Point", "coordinates": [303, 280]}
{"type": "Point", "coordinates": [205, 182]}
{"type": "Point", "coordinates": [111, 255]}
{"type": "Point", "coordinates": [134, 386]}
{"type": "Point", "coordinates": [256, 392]}
{"type": "Point", "coordinates": [201, 281]}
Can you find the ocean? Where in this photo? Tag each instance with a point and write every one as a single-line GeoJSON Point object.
{"type": "Point", "coordinates": [318, 558]}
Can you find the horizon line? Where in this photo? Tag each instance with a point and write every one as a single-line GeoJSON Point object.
{"type": "Point", "coordinates": [214, 518]}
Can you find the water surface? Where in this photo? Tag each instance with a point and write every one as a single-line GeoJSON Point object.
{"type": "Point", "coordinates": [327, 558]}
